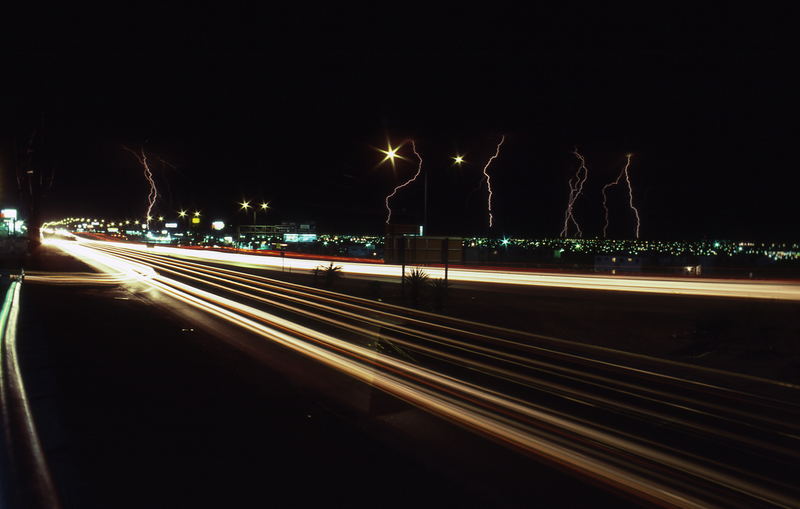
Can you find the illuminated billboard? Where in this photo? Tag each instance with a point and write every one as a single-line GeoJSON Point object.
{"type": "Point", "coordinates": [299, 237]}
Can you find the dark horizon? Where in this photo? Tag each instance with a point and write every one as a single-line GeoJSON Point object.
{"type": "Point", "coordinates": [287, 107]}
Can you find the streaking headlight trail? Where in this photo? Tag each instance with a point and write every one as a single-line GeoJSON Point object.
{"type": "Point", "coordinates": [336, 329]}
{"type": "Point", "coordinates": [643, 284]}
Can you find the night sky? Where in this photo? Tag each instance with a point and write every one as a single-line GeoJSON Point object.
{"type": "Point", "coordinates": [286, 104]}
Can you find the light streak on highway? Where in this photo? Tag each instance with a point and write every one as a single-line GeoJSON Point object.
{"type": "Point", "coordinates": [750, 289]}
{"type": "Point", "coordinates": [489, 180]}
{"type": "Point", "coordinates": [575, 190]}
{"type": "Point", "coordinates": [534, 393]}
{"type": "Point", "coordinates": [404, 184]}
{"type": "Point", "coordinates": [74, 278]}
{"type": "Point", "coordinates": [630, 196]}
{"type": "Point", "coordinates": [152, 195]}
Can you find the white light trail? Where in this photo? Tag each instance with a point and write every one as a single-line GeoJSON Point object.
{"type": "Point", "coordinates": [489, 179]}
{"type": "Point", "coordinates": [664, 285]}
{"type": "Point", "coordinates": [574, 191]}
{"type": "Point", "coordinates": [404, 184]}
{"type": "Point", "coordinates": [515, 421]}
{"type": "Point", "coordinates": [630, 195]}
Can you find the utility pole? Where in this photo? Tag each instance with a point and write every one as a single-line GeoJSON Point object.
{"type": "Point", "coordinates": [425, 207]}
{"type": "Point", "coordinates": [402, 252]}
{"type": "Point", "coordinates": [34, 176]}
{"type": "Point", "coordinates": [446, 256]}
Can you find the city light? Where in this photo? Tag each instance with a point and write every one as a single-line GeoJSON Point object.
{"type": "Point", "coordinates": [391, 153]}
{"type": "Point", "coordinates": [458, 159]}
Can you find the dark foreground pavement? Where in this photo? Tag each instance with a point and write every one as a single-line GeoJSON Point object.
{"type": "Point", "coordinates": [140, 408]}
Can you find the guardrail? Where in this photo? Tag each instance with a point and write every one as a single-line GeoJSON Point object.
{"type": "Point", "coordinates": [25, 476]}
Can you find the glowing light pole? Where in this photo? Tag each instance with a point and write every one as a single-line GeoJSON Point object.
{"type": "Point", "coordinates": [246, 205]}
{"type": "Point", "coordinates": [264, 206]}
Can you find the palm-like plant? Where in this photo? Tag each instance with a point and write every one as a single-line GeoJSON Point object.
{"type": "Point", "coordinates": [417, 280]}
{"type": "Point", "coordinates": [331, 274]}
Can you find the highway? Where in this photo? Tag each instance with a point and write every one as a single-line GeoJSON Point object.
{"type": "Point", "coordinates": [751, 289]}
{"type": "Point", "coordinates": [661, 432]}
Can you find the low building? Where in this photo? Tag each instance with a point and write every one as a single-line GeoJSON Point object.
{"type": "Point", "coordinates": [286, 231]}
{"type": "Point", "coordinates": [618, 263]}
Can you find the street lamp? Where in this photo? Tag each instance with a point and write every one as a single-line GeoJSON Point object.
{"type": "Point", "coordinates": [391, 153]}
{"type": "Point", "coordinates": [458, 159]}
{"type": "Point", "coordinates": [246, 205]}
{"type": "Point", "coordinates": [264, 206]}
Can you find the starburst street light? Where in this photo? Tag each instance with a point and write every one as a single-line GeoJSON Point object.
{"type": "Point", "coordinates": [245, 204]}
{"type": "Point", "coordinates": [197, 214]}
{"type": "Point", "coordinates": [458, 159]}
{"type": "Point", "coordinates": [264, 206]}
{"type": "Point", "coordinates": [181, 213]}
{"type": "Point", "coordinates": [391, 153]}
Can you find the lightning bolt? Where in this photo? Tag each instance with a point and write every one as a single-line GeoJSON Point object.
{"type": "Point", "coordinates": [630, 195]}
{"type": "Point", "coordinates": [148, 174]}
{"type": "Point", "coordinates": [574, 191]}
{"type": "Point", "coordinates": [404, 184]}
{"type": "Point", "coordinates": [489, 179]}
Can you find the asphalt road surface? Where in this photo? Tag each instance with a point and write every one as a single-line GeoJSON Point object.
{"type": "Point", "coordinates": [142, 401]}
